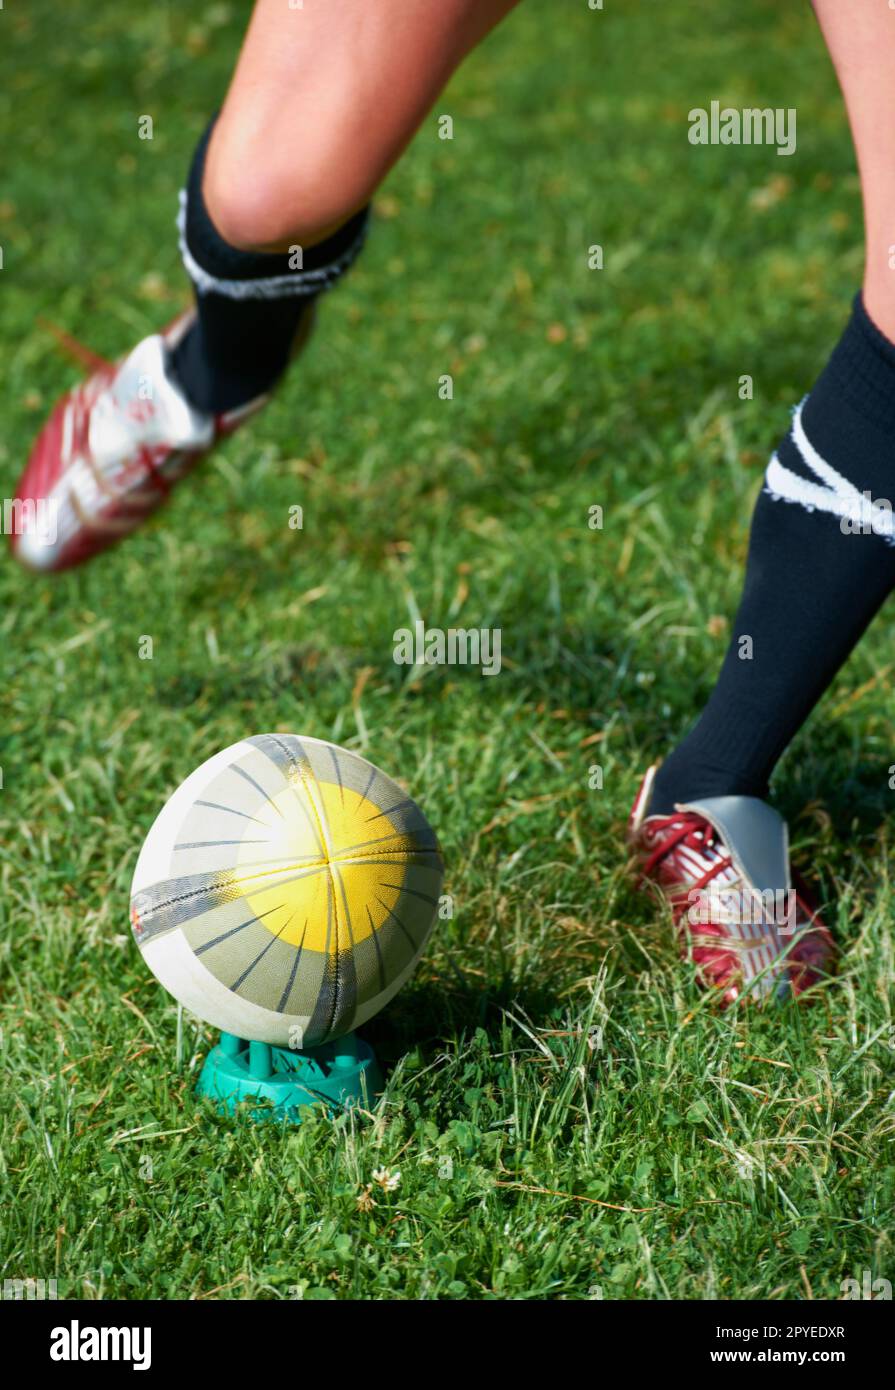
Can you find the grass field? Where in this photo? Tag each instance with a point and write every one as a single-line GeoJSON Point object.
{"type": "Point", "coordinates": [567, 1118]}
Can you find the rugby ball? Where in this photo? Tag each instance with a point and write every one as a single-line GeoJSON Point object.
{"type": "Point", "coordinates": [286, 890]}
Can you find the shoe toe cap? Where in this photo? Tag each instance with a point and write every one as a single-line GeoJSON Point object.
{"type": "Point", "coordinates": [37, 549]}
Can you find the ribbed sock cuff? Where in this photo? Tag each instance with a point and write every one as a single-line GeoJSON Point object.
{"type": "Point", "coordinates": [731, 751]}
{"type": "Point", "coordinates": [863, 369]}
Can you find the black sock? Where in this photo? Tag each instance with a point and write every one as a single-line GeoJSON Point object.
{"type": "Point", "coordinates": [821, 562]}
{"type": "Point", "coordinates": [249, 304]}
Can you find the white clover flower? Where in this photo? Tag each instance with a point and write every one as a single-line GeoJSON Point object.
{"type": "Point", "coordinates": [387, 1181]}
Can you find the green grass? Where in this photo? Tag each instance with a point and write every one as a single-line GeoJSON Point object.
{"type": "Point", "coordinates": [567, 1117]}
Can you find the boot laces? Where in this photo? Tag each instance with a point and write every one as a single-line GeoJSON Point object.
{"type": "Point", "coordinates": [696, 833]}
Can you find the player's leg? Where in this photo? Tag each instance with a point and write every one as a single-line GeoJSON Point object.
{"type": "Point", "coordinates": [821, 560]}
{"type": "Point", "coordinates": [821, 563]}
{"type": "Point", "coordinates": [324, 99]}
{"type": "Point", "coordinates": [861, 40]}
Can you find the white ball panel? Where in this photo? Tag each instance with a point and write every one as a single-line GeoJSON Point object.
{"type": "Point", "coordinates": [174, 964]}
{"type": "Point", "coordinates": [154, 863]}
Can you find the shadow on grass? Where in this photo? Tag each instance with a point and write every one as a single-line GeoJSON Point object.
{"type": "Point", "coordinates": [821, 780]}
{"type": "Point", "coordinates": [429, 1017]}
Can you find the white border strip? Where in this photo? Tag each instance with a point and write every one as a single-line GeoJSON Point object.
{"type": "Point", "coordinates": [301, 283]}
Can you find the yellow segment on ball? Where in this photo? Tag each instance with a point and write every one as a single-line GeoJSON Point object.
{"type": "Point", "coordinates": [333, 884]}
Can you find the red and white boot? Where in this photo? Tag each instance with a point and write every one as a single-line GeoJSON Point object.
{"type": "Point", "coordinates": [109, 454]}
{"type": "Point", "coordinates": [743, 918]}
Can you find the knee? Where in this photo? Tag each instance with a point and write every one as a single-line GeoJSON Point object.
{"type": "Point", "coordinates": [263, 199]}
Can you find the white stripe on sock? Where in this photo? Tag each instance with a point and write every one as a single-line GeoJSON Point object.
{"type": "Point", "coordinates": [838, 498]}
